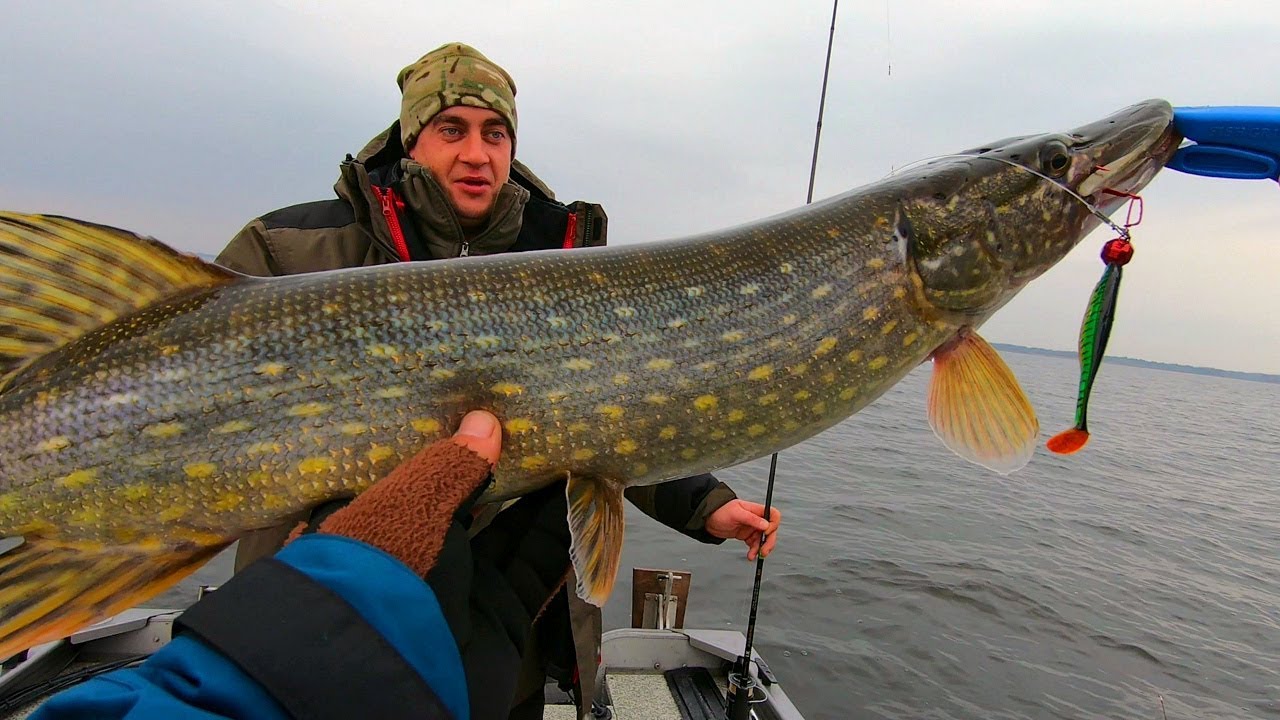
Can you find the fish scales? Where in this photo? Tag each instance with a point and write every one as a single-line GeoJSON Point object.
{"type": "Point", "coordinates": [203, 405]}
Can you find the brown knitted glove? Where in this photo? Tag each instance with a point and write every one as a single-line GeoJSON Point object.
{"type": "Point", "coordinates": [408, 512]}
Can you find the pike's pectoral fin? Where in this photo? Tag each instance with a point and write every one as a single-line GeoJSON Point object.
{"type": "Point", "coordinates": [62, 278]}
{"type": "Point", "coordinates": [50, 589]}
{"type": "Point", "coordinates": [977, 408]}
{"type": "Point", "coordinates": [596, 525]}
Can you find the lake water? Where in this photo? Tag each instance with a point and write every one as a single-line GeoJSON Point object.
{"type": "Point", "coordinates": [908, 583]}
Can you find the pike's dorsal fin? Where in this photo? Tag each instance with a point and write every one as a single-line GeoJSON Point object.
{"type": "Point", "coordinates": [61, 278]}
{"type": "Point", "coordinates": [596, 524]}
{"type": "Point", "coordinates": [977, 407]}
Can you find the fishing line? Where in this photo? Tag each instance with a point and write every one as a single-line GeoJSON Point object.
{"type": "Point", "coordinates": [1121, 231]}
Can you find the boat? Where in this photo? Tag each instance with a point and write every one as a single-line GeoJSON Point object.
{"type": "Point", "coordinates": [656, 670]}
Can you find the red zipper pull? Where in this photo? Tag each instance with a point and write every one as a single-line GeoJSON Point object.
{"type": "Point", "coordinates": [391, 204]}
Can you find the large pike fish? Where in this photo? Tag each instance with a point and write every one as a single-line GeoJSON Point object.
{"type": "Point", "coordinates": [154, 407]}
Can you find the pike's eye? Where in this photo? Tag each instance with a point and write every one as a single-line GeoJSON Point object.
{"type": "Point", "coordinates": [1054, 160]}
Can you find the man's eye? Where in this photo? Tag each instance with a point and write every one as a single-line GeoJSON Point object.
{"type": "Point", "coordinates": [451, 131]}
{"type": "Point", "coordinates": [498, 135]}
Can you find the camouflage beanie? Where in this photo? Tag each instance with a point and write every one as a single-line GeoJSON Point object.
{"type": "Point", "coordinates": [453, 74]}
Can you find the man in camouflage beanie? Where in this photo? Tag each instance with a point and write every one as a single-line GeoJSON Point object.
{"type": "Point", "coordinates": [451, 75]}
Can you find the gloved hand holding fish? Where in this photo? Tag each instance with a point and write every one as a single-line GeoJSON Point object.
{"type": "Point", "coordinates": [155, 407]}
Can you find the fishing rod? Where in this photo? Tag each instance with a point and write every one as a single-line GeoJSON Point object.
{"type": "Point", "coordinates": [742, 687]}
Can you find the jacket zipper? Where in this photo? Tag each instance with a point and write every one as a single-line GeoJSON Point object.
{"type": "Point", "coordinates": [391, 203]}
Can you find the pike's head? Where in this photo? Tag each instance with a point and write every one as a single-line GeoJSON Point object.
{"type": "Point", "coordinates": [979, 226]}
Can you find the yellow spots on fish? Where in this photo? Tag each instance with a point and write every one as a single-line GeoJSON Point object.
{"type": "Point", "coordinates": [767, 399]}
{"type": "Point", "coordinates": [167, 350]}
{"type": "Point", "coordinates": [689, 454]}
{"type": "Point", "coordinates": [668, 432]}
{"type": "Point", "coordinates": [557, 322]}
{"type": "Point", "coordinates": [819, 408]}
{"type": "Point", "coordinates": [676, 323]}
{"type": "Point", "coordinates": [802, 395]}
{"type": "Point", "coordinates": [717, 434]}
{"type": "Point", "coordinates": [612, 412]}
{"type": "Point", "coordinates": [736, 415]}
{"type": "Point", "coordinates": [693, 291]}
{"type": "Point", "coordinates": [708, 365]}
{"type": "Point", "coordinates": [378, 453]}
{"type": "Point", "coordinates": [626, 446]}
{"type": "Point", "coordinates": [598, 278]}
{"type": "Point", "coordinates": [136, 492]}
{"type": "Point", "coordinates": [275, 501]}
{"type": "Point", "coordinates": [760, 372]}
{"type": "Point", "coordinates": [790, 424]}
{"type": "Point", "coordinates": [583, 454]}
{"type": "Point", "coordinates": [579, 427]}
{"type": "Point", "coordinates": [426, 426]}
{"type": "Point", "coordinates": [828, 377]}
{"type": "Point", "coordinates": [78, 479]}
{"type": "Point", "coordinates": [164, 430]}
{"type": "Point", "coordinates": [553, 439]}
{"type": "Point", "coordinates": [899, 292]}
{"type": "Point", "coordinates": [534, 462]}
{"type": "Point", "coordinates": [258, 479]}
{"type": "Point", "coordinates": [621, 379]}
{"type": "Point", "coordinates": [888, 327]}
{"type": "Point", "coordinates": [271, 369]}
{"type": "Point", "coordinates": [854, 356]}
{"type": "Point", "coordinates": [833, 233]}
{"type": "Point", "coordinates": [519, 426]}
{"type": "Point", "coordinates": [199, 471]}
{"type": "Point", "coordinates": [10, 501]}
{"type": "Point", "coordinates": [749, 289]}
{"type": "Point", "coordinates": [392, 393]}
{"type": "Point", "coordinates": [660, 364]}
{"type": "Point", "coordinates": [309, 409]}
{"type": "Point", "coordinates": [656, 399]}
{"type": "Point", "coordinates": [825, 346]}
{"type": "Point", "coordinates": [54, 444]}
{"type": "Point", "coordinates": [1047, 216]}
{"type": "Point", "coordinates": [625, 311]}
{"type": "Point", "coordinates": [639, 469]}
{"type": "Point", "coordinates": [382, 351]}
{"type": "Point", "coordinates": [354, 428]}
{"type": "Point", "coordinates": [487, 342]}
{"type": "Point", "coordinates": [87, 517]}
{"type": "Point", "coordinates": [578, 364]}
{"type": "Point", "coordinates": [871, 313]}
{"type": "Point", "coordinates": [227, 502]}
{"type": "Point", "coordinates": [121, 399]}
{"type": "Point", "coordinates": [875, 264]}
{"type": "Point", "coordinates": [477, 295]}
{"type": "Point", "coordinates": [848, 394]}
{"type": "Point", "coordinates": [755, 430]}
{"type": "Point", "coordinates": [706, 403]}
{"type": "Point", "coordinates": [507, 389]}
{"type": "Point", "coordinates": [733, 336]}
{"type": "Point", "coordinates": [232, 426]}
{"type": "Point", "coordinates": [331, 308]}
{"type": "Point", "coordinates": [786, 268]}
{"type": "Point", "coordinates": [268, 447]}
{"type": "Point", "coordinates": [555, 396]}
{"type": "Point", "coordinates": [878, 362]}
{"type": "Point", "coordinates": [910, 339]}
{"type": "Point", "coordinates": [318, 464]}
{"type": "Point", "coordinates": [441, 374]}
{"type": "Point", "coordinates": [798, 370]}
{"type": "Point", "coordinates": [821, 291]}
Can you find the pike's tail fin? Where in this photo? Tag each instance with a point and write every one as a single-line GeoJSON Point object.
{"type": "Point", "coordinates": [50, 589]}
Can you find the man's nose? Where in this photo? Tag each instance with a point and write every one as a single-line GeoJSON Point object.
{"type": "Point", "coordinates": [473, 151]}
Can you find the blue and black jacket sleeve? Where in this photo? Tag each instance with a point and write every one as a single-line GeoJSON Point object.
{"type": "Point", "coordinates": [327, 628]}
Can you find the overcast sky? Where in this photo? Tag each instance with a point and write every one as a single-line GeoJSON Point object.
{"type": "Point", "coordinates": [185, 120]}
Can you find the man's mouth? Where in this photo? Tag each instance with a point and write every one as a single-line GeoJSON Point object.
{"type": "Point", "coordinates": [473, 185]}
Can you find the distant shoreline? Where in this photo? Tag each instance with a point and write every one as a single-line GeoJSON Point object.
{"type": "Point", "coordinates": [1135, 362]}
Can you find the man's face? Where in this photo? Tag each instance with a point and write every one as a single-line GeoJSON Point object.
{"type": "Point", "coordinates": [468, 152]}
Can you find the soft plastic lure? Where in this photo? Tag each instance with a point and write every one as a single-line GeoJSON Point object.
{"type": "Point", "coordinates": [1094, 332]}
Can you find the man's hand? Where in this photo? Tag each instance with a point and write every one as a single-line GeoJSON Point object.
{"type": "Point", "coordinates": [745, 521]}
